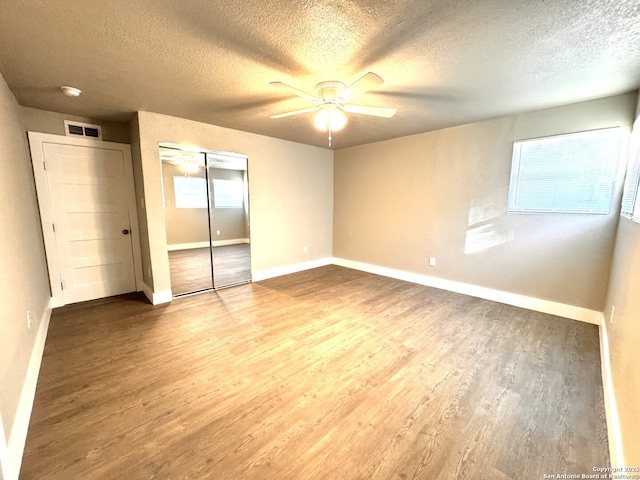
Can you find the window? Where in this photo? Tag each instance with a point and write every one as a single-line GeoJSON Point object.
{"type": "Point", "coordinates": [228, 193]}
{"type": "Point", "coordinates": [191, 192]}
{"type": "Point", "coordinates": [630, 198]}
{"type": "Point", "coordinates": [572, 173]}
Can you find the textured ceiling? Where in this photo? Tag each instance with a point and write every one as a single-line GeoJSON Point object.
{"type": "Point", "coordinates": [444, 62]}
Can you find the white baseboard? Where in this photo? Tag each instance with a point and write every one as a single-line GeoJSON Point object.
{"type": "Point", "coordinates": [12, 448]}
{"type": "Point", "coordinates": [215, 243]}
{"type": "Point", "coordinates": [186, 246]}
{"type": "Point", "coordinates": [611, 409]}
{"type": "Point", "coordinates": [4, 456]}
{"type": "Point", "coordinates": [57, 302]}
{"type": "Point", "coordinates": [288, 269]}
{"type": "Point", "coordinates": [146, 289]}
{"type": "Point", "coordinates": [156, 298]}
{"type": "Point", "coordinates": [233, 241]}
{"type": "Point", "coordinates": [523, 301]}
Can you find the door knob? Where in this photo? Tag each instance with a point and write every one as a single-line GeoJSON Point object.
{"type": "Point", "coordinates": [125, 232]}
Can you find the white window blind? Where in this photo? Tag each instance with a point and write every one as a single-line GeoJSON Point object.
{"type": "Point", "coordinates": [190, 192]}
{"type": "Point", "coordinates": [228, 193]}
{"type": "Point", "coordinates": [573, 173]}
{"type": "Point", "coordinates": [630, 201]}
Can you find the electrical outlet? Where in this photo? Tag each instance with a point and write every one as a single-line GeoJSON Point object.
{"type": "Point", "coordinates": [29, 319]}
{"type": "Point", "coordinates": [217, 232]}
{"type": "Point", "coordinates": [305, 249]}
{"type": "Point", "coordinates": [432, 261]}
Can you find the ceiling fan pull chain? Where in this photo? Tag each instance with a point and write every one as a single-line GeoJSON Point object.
{"type": "Point", "coordinates": [330, 137]}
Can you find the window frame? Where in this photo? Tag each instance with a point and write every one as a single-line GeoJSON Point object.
{"type": "Point", "coordinates": [630, 206]}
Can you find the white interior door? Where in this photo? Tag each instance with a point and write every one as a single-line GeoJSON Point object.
{"type": "Point", "coordinates": [89, 207]}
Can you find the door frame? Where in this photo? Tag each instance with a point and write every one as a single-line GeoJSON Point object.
{"type": "Point", "coordinates": [36, 144]}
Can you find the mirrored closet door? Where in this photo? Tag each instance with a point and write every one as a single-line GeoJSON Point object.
{"type": "Point", "coordinates": [207, 219]}
{"type": "Point", "coordinates": [229, 219]}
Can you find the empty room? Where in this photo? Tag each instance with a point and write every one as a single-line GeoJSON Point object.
{"type": "Point", "coordinates": [319, 240]}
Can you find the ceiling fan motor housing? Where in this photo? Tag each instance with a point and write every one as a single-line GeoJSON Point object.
{"type": "Point", "coordinates": [330, 91]}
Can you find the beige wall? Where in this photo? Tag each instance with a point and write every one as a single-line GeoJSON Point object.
{"type": "Point", "coordinates": [43, 121]}
{"type": "Point", "coordinates": [623, 329]}
{"type": "Point", "coordinates": [400, 201]}
{"type": "Point", "coordinates": [138, 179]}
{"type": "Point", "coordinates": [290, 192]}
{"type": "Point", "coordinates": [24, 283]}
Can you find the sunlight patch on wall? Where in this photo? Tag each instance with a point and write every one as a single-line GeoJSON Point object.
{"type": "Point", "coordinates": [485, 237]}
{"type": "Point", "coordinates": [484, 231]}
{"type": "Point", "coordinates": [482, 213]}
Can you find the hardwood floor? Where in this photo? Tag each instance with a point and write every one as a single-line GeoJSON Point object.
{"type": "Point", "coordinates": [191, 269]}
{"type": "Point", "coordinates": [231, 264]}
{"type": "Point", "coordinates": [325, 374]}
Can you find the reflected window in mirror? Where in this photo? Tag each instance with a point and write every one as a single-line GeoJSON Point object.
{"type": "Point", "coordinates": [228, 193]}
{"type": "Point", "coordinates": [190, 192]}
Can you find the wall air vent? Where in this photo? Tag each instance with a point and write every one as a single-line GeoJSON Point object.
{"type": "Point", "coordinates": [78, 129]}
{"type": "Point", "coordinates": [75, 130]}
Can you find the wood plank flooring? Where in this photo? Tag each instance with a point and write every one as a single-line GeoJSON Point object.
{"type": "Point", "coordinates": [191, 269]}
{"type": "Point", "coordinates": [325, 374]}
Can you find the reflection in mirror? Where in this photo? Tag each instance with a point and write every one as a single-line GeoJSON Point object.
{"type": "Point", "coordinates": [186, 220]}
{"type": "Point", "coordinates": [206, 199]}
{"type": "Point", "coordinates": [229, 219]}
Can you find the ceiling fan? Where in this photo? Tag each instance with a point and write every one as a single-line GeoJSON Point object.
{"type": "Point", "coordinates": [188, 162]}
{"type": "Point", "coordinates": [332, 102]}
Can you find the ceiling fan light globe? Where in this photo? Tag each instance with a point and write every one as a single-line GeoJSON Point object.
{"type": "Point", "coordinates": [189, 167]}
{"type": "Point", "coordinates": [321, 121]}
{"type": "Point", "coordinates": [337, 119]}
{"type": "Point", "coordinates": [330, 118]}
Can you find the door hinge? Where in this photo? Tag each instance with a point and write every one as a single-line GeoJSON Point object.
{"type": "Point", "coordinates": [44, 164]}
{"type": "Point", "coordinates": [61, 286]}
{"type": "Point", "coordinates": [53, 225]}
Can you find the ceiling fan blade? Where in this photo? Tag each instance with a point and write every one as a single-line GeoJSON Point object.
{"type": "Point", "coordinates": [362, 85]}
{"type": "Point", "coordinates": [295, 91]}
{"type": "Point", "coordinates": [374, 111]}
{"type": "Point", "coordinates": [296, 112]}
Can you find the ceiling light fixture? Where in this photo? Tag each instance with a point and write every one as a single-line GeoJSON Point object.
{"type": "Point", "coordinates": [71, 91]}
{"type": "Point", "coordinates": [188, 162]}
{"type": "Point", "coordinates": [330, 117]}
{"type": "Point", "coordinates": [187, 166]}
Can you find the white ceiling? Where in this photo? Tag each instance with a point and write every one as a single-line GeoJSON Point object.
{"type": "Point", "coordinates": [444, 62]}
